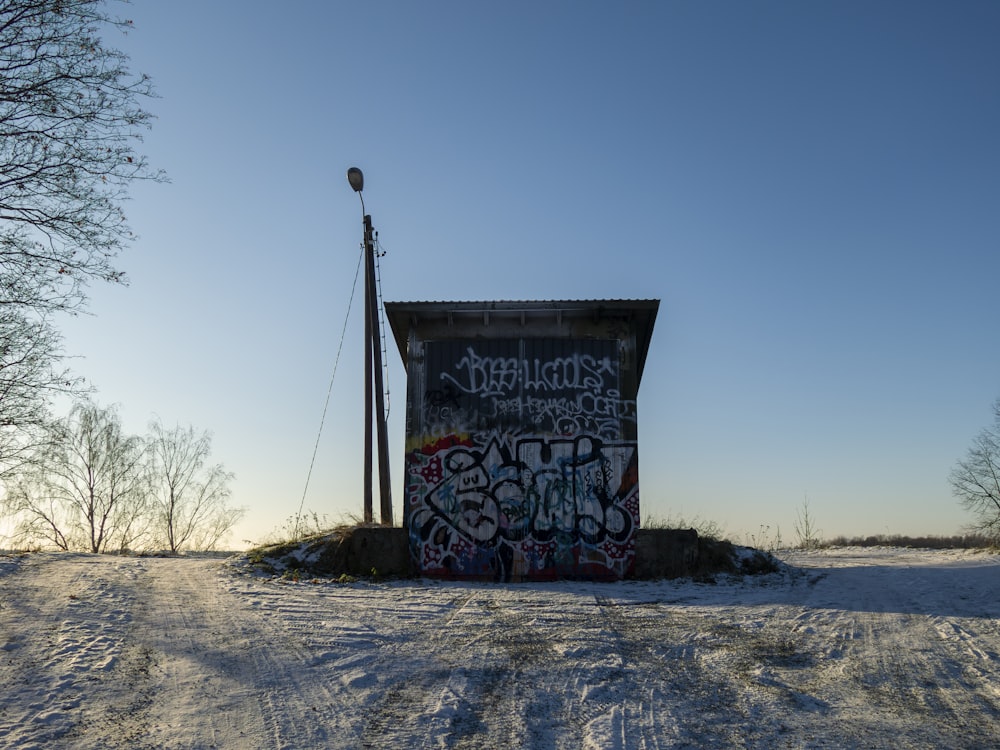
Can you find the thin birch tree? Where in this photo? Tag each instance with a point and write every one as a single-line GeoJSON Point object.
{"type": "Point", "coordinates": [189, 495]}
{"type": "Point", "coordinates": [87, 487]}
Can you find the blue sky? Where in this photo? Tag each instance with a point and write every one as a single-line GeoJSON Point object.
{"type": "Point", "coordinates": [811, 189]}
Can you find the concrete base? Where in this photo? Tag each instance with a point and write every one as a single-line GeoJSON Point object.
{"type": "Point", "coordinates": [384, 551]}
{"type": "Point", "coordinates": [366, 551]}
{"type": "Point", "coordinates": [665, 553]}
{"type": "Point", "coordinates": [660, 553]}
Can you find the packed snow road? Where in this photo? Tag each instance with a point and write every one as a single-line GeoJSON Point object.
{"type": "Point", "coordinates": [851, 649]}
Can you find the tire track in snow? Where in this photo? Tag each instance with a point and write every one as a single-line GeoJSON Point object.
{"type": "Point", "coordinates": [519, 653]}
{"type": "Point", "coordinates": [333, 637]}
{"type": "Point", "coordinates": [63, 622]}
{"type": "Point", "coordinates": [240, 673]}
{"type": "Point", "coordinates": [611, 713]}
{"type": "Point", "coordinates": [859, 652]}
{"type": "Point", "coordinates": [491, 671]}
{"type": "Point", "coordinates": [901, 657]}
{"type": "Point", "coordinates": [386, 653]}
{"type": "Point", "coordinates": [454, 702]}
{"type": "Point", "coordinates": [910, 676]}
{"type": "Point", "coordinates": [672, 657]}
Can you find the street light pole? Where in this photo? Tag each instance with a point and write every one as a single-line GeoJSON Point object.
{"type": "Point", "coordinates": [373, 374]}
{"type": "Point", "coordinates": [368, 372]}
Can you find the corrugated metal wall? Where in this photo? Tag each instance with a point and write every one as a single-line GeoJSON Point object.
{"type": "Point", "coordinates": [518, 466]}
{"type": "Point", "coordinates": [550, 386]}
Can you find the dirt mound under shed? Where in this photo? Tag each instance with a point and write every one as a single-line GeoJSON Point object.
{"type": "Point", "coordinates": [370, 551]}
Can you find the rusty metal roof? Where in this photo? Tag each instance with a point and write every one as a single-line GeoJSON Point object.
{"type": "Point", "coordinates": [640, 313]}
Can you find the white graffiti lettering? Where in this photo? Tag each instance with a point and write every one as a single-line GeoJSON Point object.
{"type": "Point", "coordinates": [503, 376]}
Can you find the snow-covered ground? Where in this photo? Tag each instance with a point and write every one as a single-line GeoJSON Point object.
{"type": "Point", "coordinates": [850, 648]}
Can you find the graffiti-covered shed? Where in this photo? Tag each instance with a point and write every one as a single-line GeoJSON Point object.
{"type": "Point", "coordinates": [521, 447]}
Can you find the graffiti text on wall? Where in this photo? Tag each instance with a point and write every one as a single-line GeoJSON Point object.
{"type": "Point", "coordinates": [501, 376]}
{"type": "Point", "coordinates": [536, 508]}
{"type": "Point", "coordinates": [601, 413]}
{"type": "Point", "coordinates": [568, 393]}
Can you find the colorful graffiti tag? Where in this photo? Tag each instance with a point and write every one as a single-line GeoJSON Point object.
{"type": "Point", "coordinates": [535, 509]}
{"type": "Point", "coordinates": [524, 463]}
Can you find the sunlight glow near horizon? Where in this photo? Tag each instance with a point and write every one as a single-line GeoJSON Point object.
{"type": "Point", "coordinates": [810, 191]}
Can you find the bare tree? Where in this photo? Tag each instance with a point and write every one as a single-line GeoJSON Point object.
{"type": "Point", "coordinates": [191, 497]}
{"type": "Point", "coordinates": [87, 488]}
{"type": "Point", "coordinates": [30, 372]}
{"type": "Point", "coordinates": [39, 518]}
{"type": "Point", "coordinates": [91, 486]}
{"type": "Point", "coordinates": [69, 122]}
{"type": "Point", "coordinates": [975, 480]}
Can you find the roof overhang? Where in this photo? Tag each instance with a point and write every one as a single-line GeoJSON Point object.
{"type": "Point", "coordinates": [639, 314]}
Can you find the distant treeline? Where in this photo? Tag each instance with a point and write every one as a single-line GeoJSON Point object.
{"type": "Point", "coordinates": [965, 541]}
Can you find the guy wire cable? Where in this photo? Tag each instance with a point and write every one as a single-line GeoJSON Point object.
{"type": "Point", "coordinates": [329, 390]}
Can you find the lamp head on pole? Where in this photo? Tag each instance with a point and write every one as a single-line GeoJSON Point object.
{"type": "Point", "coordinates": [356, 178]}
